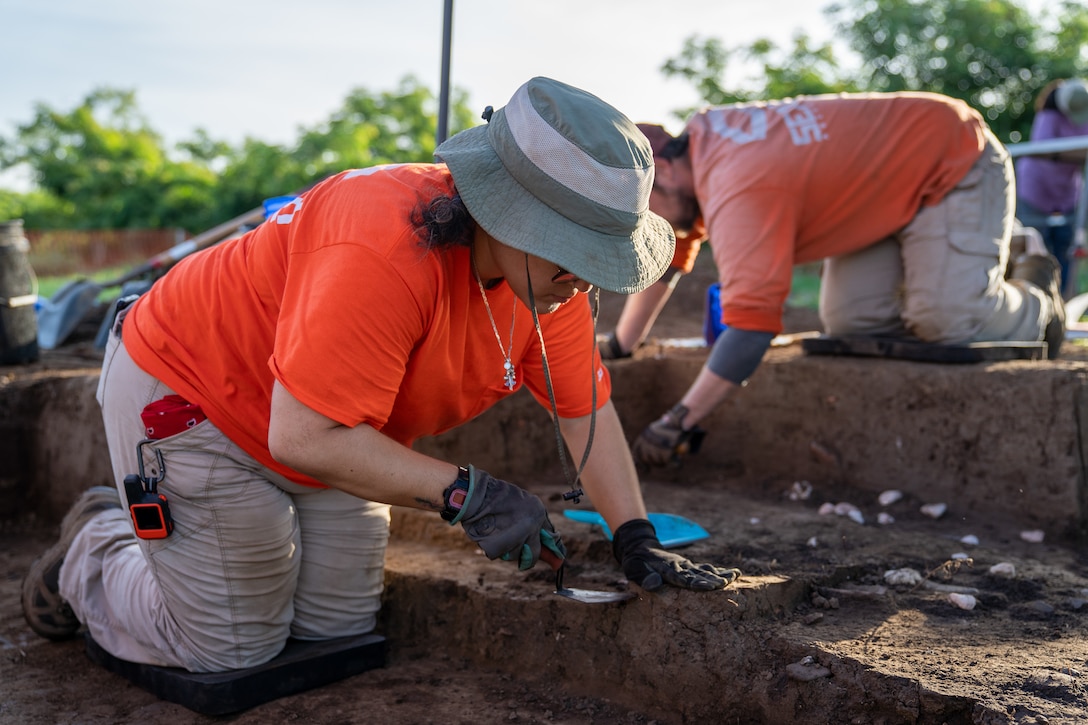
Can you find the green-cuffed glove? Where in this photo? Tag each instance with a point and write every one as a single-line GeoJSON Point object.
{"type": "Point", "coordinates": [645, 562]}
{"type": "Point", "coordinates": [506, 521]}
{"type": "Point", "coordinates": [665, 440]}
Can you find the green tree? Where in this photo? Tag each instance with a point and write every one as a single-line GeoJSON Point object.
{"type": "Point", "coordinates": [703, 63]}
{"type": "Point", "coordinates": [369, 128]}
{"type": "Point", "coordinates": [102, 166]}
{"type": "Point", "coordinates": [991, 53]}
{"type": "Point", "coordinates": [103, 163]}
{"type": "Point", "coordinates": [376, 128]}
{"type": "Point", "coordinates": [38, 209]}
{"type": "Point", "coordinates": [804, 69]}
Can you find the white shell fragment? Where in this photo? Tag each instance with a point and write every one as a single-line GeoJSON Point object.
{"type": "Point", "coordinates": [844, 509]}
{"type": "Point", "coordinates": [800, 491]}
{"type": "Point", "coordinates": [812, 543]}
{"type": "Point", "coordinates": [1003, 569]}
{"type": "Point", "coordinates": [963, 601]}
{"type": "Point", "coordinates": [889, 497]}
{"type": "Point", "coordinates": [807, 670]}
{"type": "Point", "coordinates": [934, 510]}
{"type": "Point", "coordinates": [903, 577]}
{"type": "Point", "coordinates": [960, 556]}
{"type": "Point", "coordinates": [970, 540]}
{"type": "Point", "coordinates": [1033, 536]}
{"type": "Point", "coordinates": [884, 518]}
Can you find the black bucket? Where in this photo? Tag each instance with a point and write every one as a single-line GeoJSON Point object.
{"type": "Point", "coordinates": [18, 321]}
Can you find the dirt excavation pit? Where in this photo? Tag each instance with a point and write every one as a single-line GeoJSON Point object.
{"type": "Point", "coordinates": [789, 487]}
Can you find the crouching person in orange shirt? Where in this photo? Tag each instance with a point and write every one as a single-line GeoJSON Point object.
{"type": "Point", "coordinates": [907, 197]}
{"type": "Point", "coordinates": [299, 362]}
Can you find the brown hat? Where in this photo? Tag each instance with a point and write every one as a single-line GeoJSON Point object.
{"type": "Point", "coordinates": [656, 135]}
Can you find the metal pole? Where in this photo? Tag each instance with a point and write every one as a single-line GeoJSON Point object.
{"type": "Point", "coordinates": [1080, 216]}
{"type": "Point", "coordinates": [444, 93]}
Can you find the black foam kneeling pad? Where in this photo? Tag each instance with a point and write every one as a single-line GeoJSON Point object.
{"type": "Point", "coordinates": [300, 666]}
{"type": "Point", "coordinates": [903, 349]}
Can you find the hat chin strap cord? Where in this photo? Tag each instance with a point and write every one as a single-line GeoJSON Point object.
{"type": "Point", "coordinates": [575, 493]}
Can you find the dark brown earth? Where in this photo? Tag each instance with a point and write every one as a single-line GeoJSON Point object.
{"type": "Point", "coordinates": [473, 641]}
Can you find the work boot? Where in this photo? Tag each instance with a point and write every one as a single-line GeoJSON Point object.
{"type": "Point", "coordinates": [44, 609]}
{"type": "Point", "coordinates": [1044, 271]}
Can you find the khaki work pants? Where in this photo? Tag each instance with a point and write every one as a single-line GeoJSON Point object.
{"type": "Point", "coordinates": [942, 277]}
{"type": "Point", "coordinates": [253, 558]}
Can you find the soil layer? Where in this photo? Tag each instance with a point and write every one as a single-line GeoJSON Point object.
{"type": "Point", "coordinates": [817, 631]}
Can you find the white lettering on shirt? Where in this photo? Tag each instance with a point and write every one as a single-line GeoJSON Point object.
{"type": "Point", "coordinates": [286, 213]}
{"type": "Point", "coordinates": [804, 125]}
{"type": "Point", "coordinates": [802, 122]}
{"type": "Point", "coordinates": [370, 170]}
{"type": "Point", "coordinates": [756, 121]}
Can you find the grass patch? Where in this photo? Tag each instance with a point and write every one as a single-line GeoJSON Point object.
{"type": "Point", "coordinates": [805, 292]}
{"type": "Point", "coordinates": [48, 286]}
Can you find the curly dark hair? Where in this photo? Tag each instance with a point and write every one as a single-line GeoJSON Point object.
{"type": "Point", "coordinates": [443, 222]}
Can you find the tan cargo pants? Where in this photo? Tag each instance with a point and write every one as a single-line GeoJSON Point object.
{"type": "Point", "coordinates": [942, 277]}
{"type": "Point", "coordinates": [253, 558]}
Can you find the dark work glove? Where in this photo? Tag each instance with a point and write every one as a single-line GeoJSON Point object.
{"type": "Point", "coordinates": [665, 440]}
{"type": "Point", "coordinates": [646, 563]}
{"type": "Point", "coordinates": [610, 349]}
{"type": "Point", "coordinates": [507, 521]}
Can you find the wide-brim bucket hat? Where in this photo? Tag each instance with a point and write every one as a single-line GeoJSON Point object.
{"type": "Point", "coordinates": [560, 174]}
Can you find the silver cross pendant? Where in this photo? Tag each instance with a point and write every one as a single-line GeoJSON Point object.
{"type": "Point", "coordinates": [509, 378]}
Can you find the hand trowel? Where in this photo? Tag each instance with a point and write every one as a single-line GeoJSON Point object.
{"type": "Point", "coordinates": [587, 596]}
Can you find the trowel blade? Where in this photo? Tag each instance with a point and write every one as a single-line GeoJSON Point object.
{"type": "Point", "coordinates": [588, 596]}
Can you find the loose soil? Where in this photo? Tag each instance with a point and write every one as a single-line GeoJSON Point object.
{"type": "Point", "coordinates": [876, 652]}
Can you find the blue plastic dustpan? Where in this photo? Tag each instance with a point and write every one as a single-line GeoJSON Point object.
{"type": "Point", "coordinates": [672, 530]}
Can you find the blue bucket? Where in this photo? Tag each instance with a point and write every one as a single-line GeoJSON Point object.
{"type": "Point", "coordinates": [712, 317]}
{"type": "Point", "coordinates": [273, 205]}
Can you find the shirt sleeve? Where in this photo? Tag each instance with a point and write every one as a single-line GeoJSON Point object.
{"type": "Point", "coordinates": [752, 236]}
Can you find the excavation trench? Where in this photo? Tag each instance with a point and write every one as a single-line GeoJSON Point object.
{"type": "Point", "coordinates": [812, 633]}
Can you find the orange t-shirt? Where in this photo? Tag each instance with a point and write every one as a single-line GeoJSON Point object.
{"type": "Point", "coordinates": [785, 182]}
{"type": "Point", "coordinates": [335, 298]}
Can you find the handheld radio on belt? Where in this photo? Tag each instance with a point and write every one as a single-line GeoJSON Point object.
{"type": "Point", "coordinates": [148, 507]}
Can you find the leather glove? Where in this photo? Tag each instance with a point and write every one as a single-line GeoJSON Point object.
{"type": "Point", "coordinates": [665, 440]}
{"type": "Point", "coordinates": [507, 521]}
{"type": "Point", "coordinates": [645, 562]}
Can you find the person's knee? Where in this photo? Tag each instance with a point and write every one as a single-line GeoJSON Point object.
{"type": "Point", "coordinates": [931, 323]}
{"type": "Point", "coordinates": [838, 320]}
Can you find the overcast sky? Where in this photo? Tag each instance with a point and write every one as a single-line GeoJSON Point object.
{"type": "Point", "coordinates": [262, 69]}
